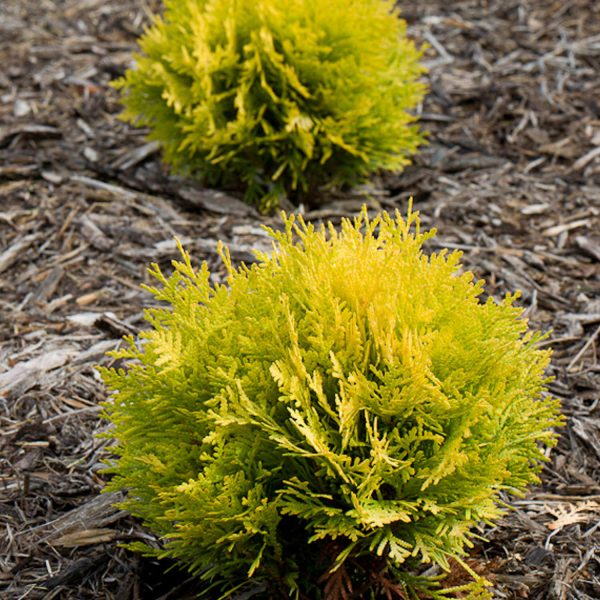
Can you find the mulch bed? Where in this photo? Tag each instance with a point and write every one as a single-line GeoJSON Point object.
{"type": "Point", "coordinates": [511, 177]}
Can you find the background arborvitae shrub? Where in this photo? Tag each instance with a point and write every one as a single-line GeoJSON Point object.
{"type": "Point", "coordinates": [278, 97]}
{"type": "Point", "coordinates": [346, 402]}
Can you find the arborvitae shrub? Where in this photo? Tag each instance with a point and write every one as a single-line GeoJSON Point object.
{"type": "Point", "coordinates": [280, 97]}
{"type": "Point", "coordinates": [333, 417]}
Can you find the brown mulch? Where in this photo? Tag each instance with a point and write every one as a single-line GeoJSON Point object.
{"type": "Point", "coordinates": [511, 176]}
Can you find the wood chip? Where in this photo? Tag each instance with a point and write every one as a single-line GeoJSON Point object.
{"type": "Point", "coordinates": [94, 235]}
{"type": "Point", "coordinates": [86, 537]}
{"type": "Point", "coordinates": [15, 251]}
{"type": "Point", "coordinates": [24, 375]}
{"type": "Point", "coordinates": [32, 130]}
{"type": "Point", "coordinates": [87, 299]}
{"type": "Point", "coordinates": [590, 246]}
{"type": "Point", "coordinates": [562, 227]}
{"type": "Point", "coordinates": [214, 201]}
{"type": "Point", "coordinates": [587, 158]}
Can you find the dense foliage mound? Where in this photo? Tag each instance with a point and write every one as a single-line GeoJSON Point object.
{"type": "Point", "coordinates": [336, 415]}
{"type": "Point", "coordinates": [280, 97]}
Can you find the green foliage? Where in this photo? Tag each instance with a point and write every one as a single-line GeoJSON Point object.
{"type": "Point", "coordinates": [281, 97]}
{"type": "Point", "coordinates": [341, 412]}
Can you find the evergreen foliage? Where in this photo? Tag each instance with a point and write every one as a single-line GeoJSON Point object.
{"type": "Point", "coordinates": [336, 415]}
{"type": "Point", "coordinates": [281, 97]}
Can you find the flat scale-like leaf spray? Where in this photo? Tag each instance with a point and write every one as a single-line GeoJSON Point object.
{"type": "Point", "coordinates": [337, 415]}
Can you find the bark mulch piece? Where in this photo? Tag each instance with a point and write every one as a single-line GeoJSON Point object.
{"type": "Point", "coordinates": [511, 177]}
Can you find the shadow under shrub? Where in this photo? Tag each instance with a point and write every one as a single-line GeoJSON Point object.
{"type": "Point", "coordinates": [333, 418]}
{"type": "Point", "coordinates": [278, 97]}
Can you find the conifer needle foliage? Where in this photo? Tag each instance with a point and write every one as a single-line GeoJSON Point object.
{"type": "Point", "coordinates": [280, 97]}
{"type": "Point", "coordinates": [335, 416]}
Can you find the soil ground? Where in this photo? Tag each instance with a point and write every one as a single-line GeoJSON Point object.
{"type": "Point", "coordinates": [511, 176]}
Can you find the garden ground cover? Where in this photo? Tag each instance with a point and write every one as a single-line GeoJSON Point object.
{"type": "Point", "coordinates": [511, 177]}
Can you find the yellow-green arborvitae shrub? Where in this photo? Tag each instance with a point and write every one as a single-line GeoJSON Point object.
{"type": "Point", "coordinates": [277, 97]}
{"type": "Point", "coordinates": [334, 417]}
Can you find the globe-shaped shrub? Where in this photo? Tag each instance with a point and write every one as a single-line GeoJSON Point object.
{"type": "Point", "coordinates": [336, 415]}
{"type": "Point", "coordinates": [280, 97]}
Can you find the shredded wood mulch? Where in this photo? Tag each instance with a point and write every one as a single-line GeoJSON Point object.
{"type": "Point", "coordinates": [511, 177]}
